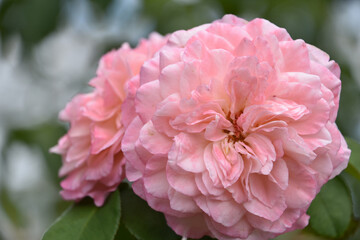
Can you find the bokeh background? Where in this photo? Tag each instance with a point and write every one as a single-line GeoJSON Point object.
{"type": "Point", "coordinates": [49, 50]}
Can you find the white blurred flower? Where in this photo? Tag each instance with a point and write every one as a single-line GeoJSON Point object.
{"type": "Point", "coordinates": [30, 190]}
{"type": "Point", "coordinates": [64, 61]}
{"type": "Point", "coordinates": [122, 21]}
{"type": "Point", "coordinates": [66, 55]}
{"type": "Point", "coordinates": [346, 19]}
{"type": "Point", "coordinates": [26, 97]}
{"type": "Point", "coordinates": [22, 160]}
{"type": "Point", "coordinates": [16, 85]}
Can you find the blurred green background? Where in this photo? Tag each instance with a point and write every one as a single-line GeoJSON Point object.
{"type": "Point", "coordinates": [49, 51]}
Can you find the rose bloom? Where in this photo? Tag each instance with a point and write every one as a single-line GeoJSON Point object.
{"type": "Point", "coordinates": [91, 150]}
{"type": "Point", "coordinates": [234, 131]}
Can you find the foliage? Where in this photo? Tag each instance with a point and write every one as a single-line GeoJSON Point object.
{"type": "Point", "coordinates": [138, 220]}
{"type": "Point", "coordinates": [85, 221]}
{"type": "Point", "coordinates": [330, 212]}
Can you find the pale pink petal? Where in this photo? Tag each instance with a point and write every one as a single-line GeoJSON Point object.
{"type": "Point", "coordinates": [257, 208]}
{"type": "Point", "coordinates": [264, 151]}
{"type": "Point", "coordinates": [280, 174]}
{"type": "Point", "coordinates": [99, 165]}
{"type": "Point", "coordinates": [295, 56]}
{"type": "Point", "coordinates": [128, 148]}
{"type": "Point", "coordinates": [302, 186]}
{"type": "Point", "coordinates": [187, 153]}
{"type": "Point", "coordinates": [227, 213]}
{"type": "Point", "coordinates": [153, 141]}
{"type": "Point", "coordinates": [182, 182]}
{"type": "Point", "coordinates": [182, 203]}
{"type": "Point", "coordinates": [285, 222]}
{"type": "Point", "coordinates": [147, 97]}
{"type": "Point", "coordinates": [154, 179]}
{"type": "Point", "coordinates": [264, 190]}
{"type": "Point", "coordinates": [192, 226]}
{"type": "Point", "coordinates": [241, 230]}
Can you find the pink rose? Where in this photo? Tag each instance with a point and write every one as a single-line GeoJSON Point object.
{"type": "Point", "coordinates": [234, 130]}
{"type": "Point", "coordinates": [91, 150]}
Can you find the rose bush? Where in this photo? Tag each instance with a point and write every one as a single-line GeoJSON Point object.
{"type": "Point", "coordinates": [230, 130]}
{"type": "Point", "coordinates": [91, 150]}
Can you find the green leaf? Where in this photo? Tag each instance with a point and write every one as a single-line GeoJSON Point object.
{"type": "Point", "coordinates": [123, 233]}
{"type": "Point", "coordinates": [353, 185]}
{"type": "Point", "coordinates": [330, 212]}
{"type": "Point", "coordinates": [142, 221]}
{"type": "Point", "coordinates": [85, 221]}
{"type": "Point", "coordinates": [354, 162]}
{"type": "Point", "coordinates": [299, 235]}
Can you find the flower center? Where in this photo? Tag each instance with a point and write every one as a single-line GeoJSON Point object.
{"type": "Point", "coordinates": [235, 134]}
